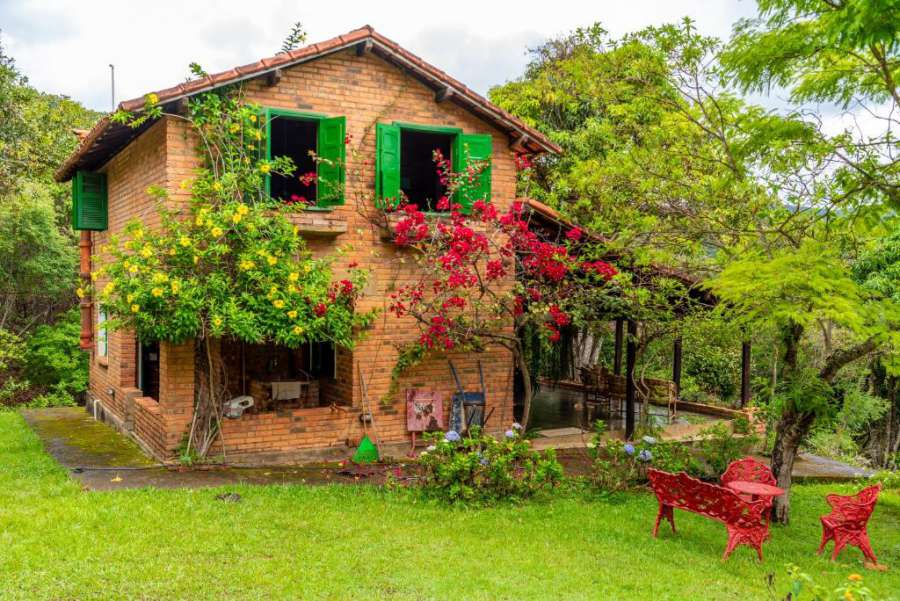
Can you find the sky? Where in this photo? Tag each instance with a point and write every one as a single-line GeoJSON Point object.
{"type": "Point", "coordinates": [65, 47]}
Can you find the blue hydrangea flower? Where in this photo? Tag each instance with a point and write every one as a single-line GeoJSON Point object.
{"type": "Point", "coordinates": [645, 455]}
{"type": "Point", "coordinates": [484, 461]}
{"type": "Point", "coordinates": [510, 434]}
{"type": "Point", "coordinates": [649, 440]}
{"type": "Point", "coordinates": [451, 436]}
{"type": "Point", "coordinates": [629, 448]}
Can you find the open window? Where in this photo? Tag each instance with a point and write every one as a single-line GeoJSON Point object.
{"type": "Point", "coordinates": [300, 136]}
{"type": "Point", "coordinates": [405, 163]}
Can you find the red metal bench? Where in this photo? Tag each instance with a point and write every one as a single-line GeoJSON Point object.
{"type": "Point", "coordinates": [846, 524]}
{"type": "Point", "coordinates": [743, 519]}
{"type": "Point", "coordinates": [749, 469]}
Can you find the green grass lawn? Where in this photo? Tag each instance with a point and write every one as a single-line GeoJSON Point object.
{"type": "Point", "coordinates": [341, 542]}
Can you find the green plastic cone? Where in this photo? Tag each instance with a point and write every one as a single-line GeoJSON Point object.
{"type": "Point", "coordinates": [366, 452]}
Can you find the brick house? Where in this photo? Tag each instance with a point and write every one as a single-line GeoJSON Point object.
{"type": "Point", "coordinates": [396, 108]}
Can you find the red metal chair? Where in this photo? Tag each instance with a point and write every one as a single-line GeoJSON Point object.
{"type": "Point", "coordinates": [846, 524]}
{"type": "Point", "coordinates": [749, 469]}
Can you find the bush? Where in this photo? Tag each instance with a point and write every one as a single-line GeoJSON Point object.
{"type": "Point", "coordinates": [481, 469]}
{"type": "Point", "coordinates": [54, 361]}
{"type": "Point", "coordinates": [619, 465]}
{"type": "Point", "coordinates": [719, 447]}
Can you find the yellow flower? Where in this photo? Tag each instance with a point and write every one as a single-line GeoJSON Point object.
{"type": "Point", "coordinates": [216, 232]}
{"type": "Point", "coordinates": [291, 288]}
{"type": "Point", "coordinates": [252, 147]}
{"type": "Point", "coordinates": [848, 595]}
{"type": "Point", "coordinates": [146, 252]}
{"type": "Point", "coordinates": [160, 277]}
{"type": "Point", "coordinates": [217, 321]}
{"type": "Point", "coordinates": [854, 577]}
{"type": "Point", "coordinates": [246, 265]}
{"type": "Point", "coordinates": [271, 260]}
{"type": "Point", "coordinates": [236, 218]}
{"type": "Point", "coordinates": [184, 241]}
{"type": "Point", "coordinates": [135, 308]}
{"type": "Point", "coordinates": [129, 298]}
{"type": "Point", "coordinates": [273, 290]}
{"type": "Point", "coordinates": [199, 221]}
{"type": "Point", "coordinates": [217, 186]}
{"type": "Point", "coordinates": [307, 268]}
{"type": "Point", "coordinates": [80, 293]}
{"type": "Point", "coordinates": [172, 251]}
{"type": "Point", "coordinates": [138, 233]}
{"type": "Point", "coordinates": [257, 134]}
{"type": "Point", "coordinates": [265, 168]}
{"type": "Point", "coordinates": [297, 330]}
{"type": "Point", "coordinates": [175, 287]}
{"type": "Point", "coordinates": [133, 269]}
{"type": "Point", "coordinates": [94, 276]}
{"type": "Point", "coordinates": [234, 128]}
{"type": "Point", "coordinates": [196, 259]}
{"type": "Point", "coordinates": [243, 209]}
{"type": "Point", "coordinates": [107, 290]}
{"type": "Point", "coordinates": [152, 98]}
{"type": "Point", "coordinates": [157, 292]}
{"type": "Point", "coordinates": [279, 304]}
{"type": "Point", "coordinates": [292, 314]}
{"type": "Point", "coordinates": [253, 118]}
{"type": "Point", "coordinates": [294, 276]}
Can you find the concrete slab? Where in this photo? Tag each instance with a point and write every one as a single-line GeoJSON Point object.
{"type": "Point", "coordinates": [101, 458]}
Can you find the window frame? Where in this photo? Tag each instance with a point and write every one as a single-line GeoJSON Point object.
{"type": "Point", "coordinates": [456, 132]}
{"type": "Point", "coordinates": [102, 337]}
{"type": "Point", "coordinates": [270, 113]}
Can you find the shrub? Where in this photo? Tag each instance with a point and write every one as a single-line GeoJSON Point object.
{"type": "Point", "coordinates": [54, 361]}
{"type": "Point", "coordinates": [480, 469]}
{"type": "Point", "coordinates": [619, 465]}
{"type": "Point", "coordinates": [803, 587]}
{"type": "Point", "coordinates": [719, 447]}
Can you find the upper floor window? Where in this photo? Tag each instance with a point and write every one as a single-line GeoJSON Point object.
{"type": "Point", "coordinates": [301, 136]}
{"type": "Point", "coordinates": [405, 163]}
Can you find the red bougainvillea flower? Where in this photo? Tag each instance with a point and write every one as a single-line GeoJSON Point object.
{"type": "Point", "coordinates": [558, 316]}
{"type": "Point", "coordinates": [601, 268]}
{"type": "Point", "coordinates": [346, 287]}
{"type": "Point", "coordinates": [523, 162]}
{"type": "Point", "coordinates": [554, 332]}
{"type": "Point", "coordinates": [574, 234]}
{"type": "Point", "coordinates": [320, 309]}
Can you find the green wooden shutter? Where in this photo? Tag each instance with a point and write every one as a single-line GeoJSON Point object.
{"type": "Point", "coordinates": [330, 184]}
{"type": "Point", "coordinates": [89, 201]}
{"type": "Point", "coordinates": [387, 163]}
{"type": "Point", "coordinates": [471, 148]}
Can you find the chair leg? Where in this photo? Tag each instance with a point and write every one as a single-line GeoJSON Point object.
{"type": "Point", "coordinates": [659, 515]}
{"type": "Point", "coordinates": [839, 544]}
{"type": "Point", "coordinates": [670, 515]}
{"type": "Point", "coordinates": [827, 535]}
{"type": "Point", "coordinates": [866, 547]}
{"type": "Point", "coordinates": [733, 541]}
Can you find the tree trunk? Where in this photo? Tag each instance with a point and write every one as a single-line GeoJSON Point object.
{"type": "Point", "coordinates": [522, 363]}
{"type": "Point", "coordinates": [792, 428]}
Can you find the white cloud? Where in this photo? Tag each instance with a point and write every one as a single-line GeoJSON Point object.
{"type": "Point", "coordinates": [65, 46]}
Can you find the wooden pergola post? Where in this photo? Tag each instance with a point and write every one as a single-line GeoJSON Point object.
{"type": "Point", "coordinates": [620, 336]}
{"type": "Point", "coordinates": [676, 366]}
{"type": "Point", "coordinates": [630, 358]}
{"type": "Point", "coordinates": [745, 373]}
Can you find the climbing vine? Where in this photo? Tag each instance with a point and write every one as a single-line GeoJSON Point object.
{"type": "Point", "coordinates": [229, 263]}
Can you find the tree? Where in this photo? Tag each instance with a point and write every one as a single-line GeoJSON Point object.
{"type": "Point", "coordinates": [461, 298]}
{"type": "Point", "coordinates": [37, 262]}
{"type": "Point", "coordinates": [695, 178]}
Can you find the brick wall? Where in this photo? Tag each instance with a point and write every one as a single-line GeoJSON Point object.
{"type": "Point", "coordinates": [366, 90]}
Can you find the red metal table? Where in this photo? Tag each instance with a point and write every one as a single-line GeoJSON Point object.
{"type": "Point", "coordinates": [755, 489]}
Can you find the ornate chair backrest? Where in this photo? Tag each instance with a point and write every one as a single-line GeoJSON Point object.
{"type": "Point", "coordinates": [855, 508]}
{"type": "Point", "coordinates": [748, 469]}
{"type": "Point", "coordinates": [684, 492]}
